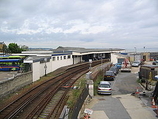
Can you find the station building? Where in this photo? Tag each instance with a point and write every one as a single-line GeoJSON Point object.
{"type": "Point", "coordinates": [44, 62]}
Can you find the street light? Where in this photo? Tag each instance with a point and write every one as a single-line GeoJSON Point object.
{"type": "Point", "coordinates": [135, 49]}
{"type": "Point", "coordinates": [45, 66]}
{"type": "Point", "coordinates": [90, 64]}
{"type": "Point", "coordinates": [102, 67]}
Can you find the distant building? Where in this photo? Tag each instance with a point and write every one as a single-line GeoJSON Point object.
{"type": "Point", "coordinates": [2, 46]}
{"type": "Point", "coordinates": [154, 56]}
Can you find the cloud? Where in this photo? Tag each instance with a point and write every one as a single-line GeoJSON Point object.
{"type": "Point", "coordinates": [81, 23]}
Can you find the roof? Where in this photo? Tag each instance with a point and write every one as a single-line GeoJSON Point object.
{"type": "Point", "coordinates": [32, 59]}
{"type": "Point", "coordinates": [59, 54]}
{"type": "Point", "coordinates": [85, 50]}
{"type": "Point", "coordinates": [10, 60]}
{"type": "Point", "coordinates": [150, 66]}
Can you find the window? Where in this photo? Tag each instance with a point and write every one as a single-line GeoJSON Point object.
{"type": "Point", "coordinates": [69, 57]}
{"type": "Point", "coordinates": [104, 85]}
{"type": "Point", "coordinates": [53, 59]}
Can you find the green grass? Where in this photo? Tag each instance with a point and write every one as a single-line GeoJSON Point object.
{"type": "Point", "coordinates": [99, 78]}
{"type": "Point", "coordinates": [75, 93]}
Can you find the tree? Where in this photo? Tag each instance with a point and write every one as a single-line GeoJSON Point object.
{"type": "Point", "coordinates": [14, 48]}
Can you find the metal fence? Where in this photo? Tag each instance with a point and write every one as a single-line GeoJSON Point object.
{"type": "Point", "coordinates": [79, 103]}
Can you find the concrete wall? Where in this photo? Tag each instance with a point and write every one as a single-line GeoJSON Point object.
{"type": "Point", "coordinates": [45, 68]}
{"type": "Point", "coordinates": [136, 57]}
{"type": "Point", "coordinates": [77, 59]}
{"type": "Point", "coordinates": [116, 56]}
{"type": "Point", "coordinates": [60, 61]}
{"type": "Point", "coordinates": [36, 71]}
{"type": "Point", "coordinates": [54, 63]}
{"type": "Point", "coordinates": [15, 83]}
{"type": "Point", "coordinates": [147, 56]}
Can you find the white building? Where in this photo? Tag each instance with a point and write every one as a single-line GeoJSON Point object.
{"type": "Point", "coordinates": [118, 57]}
{"type": "Point", "coordinates": [44, 62]}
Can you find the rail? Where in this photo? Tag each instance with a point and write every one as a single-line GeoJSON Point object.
{"type": "Point", "coordinates": [32, 103]}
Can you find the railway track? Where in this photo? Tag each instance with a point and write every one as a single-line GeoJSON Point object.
{"type": "Point", "coordinates": [45, 100]}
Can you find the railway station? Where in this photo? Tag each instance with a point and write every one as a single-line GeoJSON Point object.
{"type": "Point", "coordinates": [37, 64]}
{"type": "Point", "coordinates": [43, 62]}
{"type": "Point", "coordinates": [40, 63]}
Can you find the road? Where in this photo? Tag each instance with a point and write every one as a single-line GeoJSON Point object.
{"type": "Point", "coordinates": [121, 105]}
{"type": "Point", "coordinates": [126, 82]}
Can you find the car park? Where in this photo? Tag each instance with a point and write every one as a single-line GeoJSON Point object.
{"type": "Point", "coordinates": [104, 87]}
{"type": "Point", "coordinates": [109, 76]}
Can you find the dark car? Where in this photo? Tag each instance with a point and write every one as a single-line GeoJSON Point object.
{"type": "Point", "coordinates": [109, 76]}
{"type": "Point", "coordinates": [114, 69]}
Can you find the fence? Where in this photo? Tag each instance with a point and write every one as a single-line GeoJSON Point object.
{"type": "Point", "coordinates": [75, 110]}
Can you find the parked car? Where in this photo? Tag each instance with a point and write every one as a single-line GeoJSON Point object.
{"type": "Point", "coordinates": [114, 69]}
{"type": "Point", "coordinates": [104, 87]}
{"type": "Point", "coordinates": [135, 64]}
{"type": "Point", "coordinates": [118, 65]}
{"type": "Point", "coordinates": [155, 62]}
{"type": "Point", "coordinates": [109, 75]}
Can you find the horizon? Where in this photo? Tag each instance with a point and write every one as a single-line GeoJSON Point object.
{"type": "Point", "coordinates": [126, 50]}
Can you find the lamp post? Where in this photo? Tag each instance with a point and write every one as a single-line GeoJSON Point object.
{"type": "Point", "coordinates": [144, 56]}
{"type": "Point", "coordinates": [135, 50]}
{"type": "Point", "coordinates": [102, 67]}
{"type": "Point", "coordinates": [45, 66]}
{"type": "Point", "coordinates": [90, 64]}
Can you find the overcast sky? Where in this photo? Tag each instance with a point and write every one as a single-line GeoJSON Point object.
{"type": "Point", "coordinates": [80, 23]}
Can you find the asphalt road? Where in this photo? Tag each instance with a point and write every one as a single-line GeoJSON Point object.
{"type": "Point", "coordinates": [124, 83]}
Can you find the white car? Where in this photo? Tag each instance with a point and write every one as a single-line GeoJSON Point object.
{"type": "Point", "coordinates": [104, 87]}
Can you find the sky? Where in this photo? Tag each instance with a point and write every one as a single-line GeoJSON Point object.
{"type": "Point", "coordinates": [80, 23]}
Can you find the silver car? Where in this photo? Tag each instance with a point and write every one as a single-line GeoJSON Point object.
{"type": "Point", "coordinates": [135, 64]}
{"type": "Point", "coordinates": [104, 87]}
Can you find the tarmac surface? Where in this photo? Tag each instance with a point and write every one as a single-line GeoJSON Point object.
{"type": "Point", "coordinates": [120, 107]}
